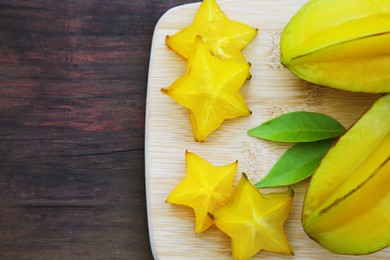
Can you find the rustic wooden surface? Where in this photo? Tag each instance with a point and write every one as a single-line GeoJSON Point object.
{"type": "Point", "coordinates": [73, 77]}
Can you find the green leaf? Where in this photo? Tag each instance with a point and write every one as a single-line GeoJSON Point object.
{"type": "Point", "coordinates": [298, 127]}
{"type": "Point", "coordinates": [296, 164]}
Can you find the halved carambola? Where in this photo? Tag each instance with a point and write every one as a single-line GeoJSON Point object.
{"type": "Point", "coordinates": [340, 44]}
{"type": "Point", "coordinates": [347, 204]}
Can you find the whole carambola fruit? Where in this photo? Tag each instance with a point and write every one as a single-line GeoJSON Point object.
{"type": "Point", "coordinates": [347, 204]}
{"type": "Point", "coordinates": [341, 44]}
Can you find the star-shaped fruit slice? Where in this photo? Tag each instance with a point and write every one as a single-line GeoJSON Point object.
{"type": "Point", "coordinates": [223, 37]}
{"type": "Point", "coordinates": [254, 221]}
{"type": "Point", "coordinates": [210, 89]}
{"type": "Point", "coordinates": [205, 188]}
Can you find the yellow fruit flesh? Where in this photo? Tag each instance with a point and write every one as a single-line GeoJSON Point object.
{"type": "Point", "coordinates": [347, 204]}
{"type": "Point", "coordinates": [225, 38]}
{"type": "Point", "coordinates": [210, 89]}
{"type": "Point", "coordinates": [341, 44]}
{"type": "Point", "coordinates": [205, 188]}
{"type": "Point", "coordinates": [254, 221]}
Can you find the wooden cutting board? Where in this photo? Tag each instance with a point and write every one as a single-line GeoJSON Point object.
{"type": "Point", "coordinates": [273, 90]}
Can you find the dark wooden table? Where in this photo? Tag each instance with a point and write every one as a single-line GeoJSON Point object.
{"type": "Point", "coordinates": [73, 78]}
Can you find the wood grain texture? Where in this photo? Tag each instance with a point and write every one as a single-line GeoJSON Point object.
{"type": "Point", "coordinates": [273, 90]}
{"type": "Point", "coordinates": [72, 105]}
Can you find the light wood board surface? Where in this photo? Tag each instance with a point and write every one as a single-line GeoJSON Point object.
{"type": "Point", "coordinates": [273, 90]}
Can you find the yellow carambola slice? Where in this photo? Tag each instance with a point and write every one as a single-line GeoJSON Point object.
{"type": "Point", "coordinates": [223, 37]}
{"type": "Point", "coordinates": [210, 89]}
{"type": "Point", "coordinates": [347, 204]}
{"type": "Point", "coordinates": [255, 221]}
{"type": "Point", "coordinates": [340, 44]}
{"type": "Point", "coordinates": [205, 188]}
